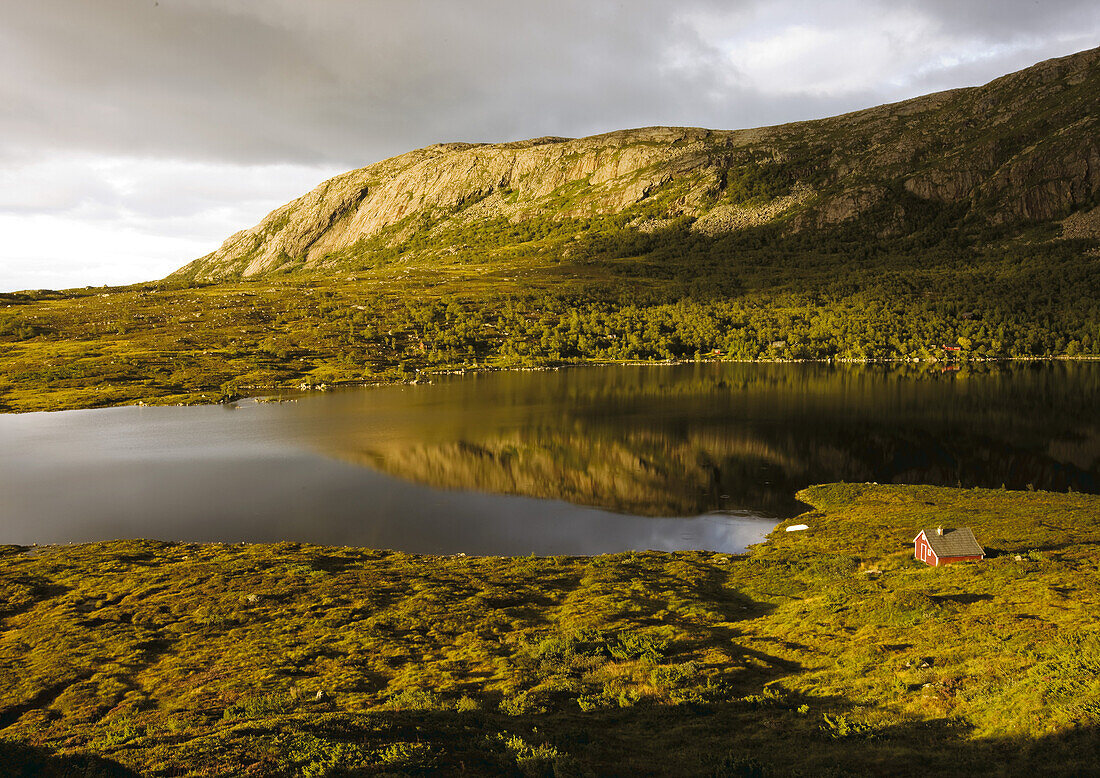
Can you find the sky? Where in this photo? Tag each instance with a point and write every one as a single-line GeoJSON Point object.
{"type": "Point", "coordinates": [136, 135]}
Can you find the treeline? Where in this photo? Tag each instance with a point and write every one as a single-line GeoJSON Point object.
{"type": "Point", "coordinates": [535, 329]}
{"type": "Point", "coordinates": [853, 294]}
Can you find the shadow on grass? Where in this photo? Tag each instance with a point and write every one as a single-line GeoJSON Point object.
{"type": "Point", "coordinates": [735, 739]}
{"type": "Point", "coordinates": [18, 760]}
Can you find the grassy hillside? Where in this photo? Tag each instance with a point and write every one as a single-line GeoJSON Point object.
{"type": "Point", "coordinates": [824, 652]}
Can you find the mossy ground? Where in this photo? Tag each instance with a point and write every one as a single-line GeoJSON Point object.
{"type": "Point", "coordinates": [829, 651]}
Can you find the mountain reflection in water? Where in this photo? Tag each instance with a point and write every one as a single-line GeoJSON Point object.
{"type": "Point", "coordinates": [684, 440]}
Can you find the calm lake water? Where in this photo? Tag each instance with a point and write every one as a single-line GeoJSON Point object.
{"type": "Point", "coordinates": [578, 461]}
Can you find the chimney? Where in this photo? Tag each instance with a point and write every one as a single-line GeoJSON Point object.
{"type": "Point", "coordinates": [939, 530]}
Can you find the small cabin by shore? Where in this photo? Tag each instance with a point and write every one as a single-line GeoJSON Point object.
{"type": "Point", "coordinates": [941, 546]}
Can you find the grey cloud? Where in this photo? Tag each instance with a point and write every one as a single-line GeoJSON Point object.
{"type": "Point", "coordinates": [1006, 20]}
{"type": "Point", "coordinates": [317, 82]}
{"type": "Point", "coordinates": [345, 83]}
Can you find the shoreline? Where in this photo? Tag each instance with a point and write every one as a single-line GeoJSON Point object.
{"type": "Point", "coordinates": [721, 557]}
{"type": "Point", "coordinates": [304, 390]}
{"type": "Point", "coordinates": [821, 648]}
{"type": "Point", "coordinates": [269, 393]}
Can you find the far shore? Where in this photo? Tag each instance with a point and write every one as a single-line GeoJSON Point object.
{"type": "Point", "coordinates": [262, 393]}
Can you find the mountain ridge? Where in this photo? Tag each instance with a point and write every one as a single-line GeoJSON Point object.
{"type": "Point", "coordinates": [1020, 148]}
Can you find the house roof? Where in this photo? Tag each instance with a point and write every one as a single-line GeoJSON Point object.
{"type": "Point", "coordinates": [953, 542]}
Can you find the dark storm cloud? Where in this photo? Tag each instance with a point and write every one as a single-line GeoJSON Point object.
{"type": "Point", "coordinates": [344, 83]}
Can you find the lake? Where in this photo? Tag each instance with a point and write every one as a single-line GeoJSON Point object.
{"type": "Point", "coordinates": [576, 461]}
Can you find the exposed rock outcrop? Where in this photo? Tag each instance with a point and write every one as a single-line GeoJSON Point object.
{"type": "Point", "coordinates": [1023, 147]}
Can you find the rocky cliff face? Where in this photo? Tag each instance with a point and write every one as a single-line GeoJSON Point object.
{"type": "Point", "coordinates": [1022, 148]}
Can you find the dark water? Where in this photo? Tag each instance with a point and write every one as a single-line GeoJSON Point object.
{"type": "Point", "coordinates": [579, 461]}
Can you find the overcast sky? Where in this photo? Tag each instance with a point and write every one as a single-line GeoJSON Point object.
{"type": "Point", "coordinates": [136, 135]}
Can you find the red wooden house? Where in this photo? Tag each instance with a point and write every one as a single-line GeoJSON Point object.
{"type": "Point", "coordinates": [941, 546]}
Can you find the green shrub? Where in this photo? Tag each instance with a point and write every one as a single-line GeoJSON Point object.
{"type": "Point", "coordinates": [525, 703]}
{"type": "Point", "coordinates": [844, 727]}
{"type": "Point", "coordinates": [407, 754]}
{"type": "Point", "coordinates": [415, 699]}
{"type": "Point", "coordinates": [306, 754]}
{"type": "Point", "coordinates": [674, 676]}
{"type": "Point", "coordinates": [259, 706]}
{"type": "Point", "coordinates": [466, 704]}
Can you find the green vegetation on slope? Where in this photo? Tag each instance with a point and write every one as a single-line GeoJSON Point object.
{"type": "Point", "coordinates": [618, 294]}
{"type": "Point", "coordinates": [829, 651]}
